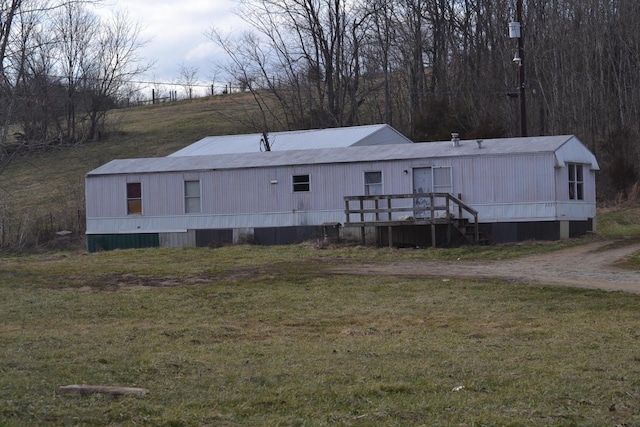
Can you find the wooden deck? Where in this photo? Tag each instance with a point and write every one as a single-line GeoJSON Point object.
{"type": "Point", "coordinates": [425, 209]}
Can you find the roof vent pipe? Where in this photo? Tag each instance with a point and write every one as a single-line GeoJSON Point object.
{"type": "Point", "coordinates": [479, 142]}
{"type": "Point", "coordinates": [455, 139]}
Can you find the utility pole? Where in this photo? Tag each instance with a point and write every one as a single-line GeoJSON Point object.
{"type": "Point", "coordinates": [515, 32]}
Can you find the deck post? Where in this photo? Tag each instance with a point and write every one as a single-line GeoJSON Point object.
{"type": "Point", "coordinates": [433, 235]}
{"type": "Point", "coordinates": [390, 236]}
{"type": "Point", "coordinates": [364, 241]}
{"type": "Point", "coordinates": [432, 201]}
{"type": "Point", "coordinates": [477, 231]}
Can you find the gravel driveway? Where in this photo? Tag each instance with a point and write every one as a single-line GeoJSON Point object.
{"type": "Point", "coordinates": [585, 266]}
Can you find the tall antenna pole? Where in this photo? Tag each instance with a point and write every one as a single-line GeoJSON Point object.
{"type": "Point", "coordinates": [523, 104]}
{"type": "Point", "coordinates": [515, 32]}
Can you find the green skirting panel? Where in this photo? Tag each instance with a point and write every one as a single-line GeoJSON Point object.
{"type": "Point", "coordinates": [107, 242]}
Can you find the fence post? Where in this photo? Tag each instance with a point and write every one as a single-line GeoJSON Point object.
{"type": "Point", "coordinates": [362, 230]}
{"type": "Point", "coordinates": [432, 201]}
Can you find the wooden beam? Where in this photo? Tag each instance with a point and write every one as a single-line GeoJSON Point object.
{"type": "Point", "coordinates": [93, 389]}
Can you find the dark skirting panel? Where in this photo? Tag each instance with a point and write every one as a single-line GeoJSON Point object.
{"type": "Point", "coordinates": [544, 230]}
{"type": "Point", "coordinates": [408, 236]}
{"type": "Point", "coordinates": [511, 232]}
{"type": "Point", "coordinates": [108, 242]}
{"type": "Point", "coordinates": [287, 235]}
{"type": "Point", "coordinates": [580, 228]}
{"type": "Point", "coordinates": [504, 232]}
{"type": "Point", "coordinates": [213, 238]}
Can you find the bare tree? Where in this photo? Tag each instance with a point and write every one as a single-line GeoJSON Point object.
{"type": "Point", "coordinates": [116, 61]}
{"type": "Point", "coordinates": [413, 52]}
{"type": "Point", "coordinates": [380, 51]}
{"type": "Point", "coordinates": [188, 79]}
{"type": "Point", "coordinates": [38, 89]}
{"type": "Point", "coordinates": [308, 56]}
{"type": "Point", "coordinates": [74, 28]}
{"type": "Point", "coordinates": [247, 60]}
{"type": "Point", "coordinates": [62, 69]}
{"type": "Point", "coordinates": [8, 11]}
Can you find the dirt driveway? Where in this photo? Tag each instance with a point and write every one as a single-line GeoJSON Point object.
{"type": "Point", "coordinates": [585, 266]}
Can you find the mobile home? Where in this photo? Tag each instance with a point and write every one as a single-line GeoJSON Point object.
{"type": "Point", "coordinates": [512, 188]}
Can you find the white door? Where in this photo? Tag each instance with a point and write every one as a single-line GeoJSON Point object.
{"type": "Point", "coordinates": [422, 183]}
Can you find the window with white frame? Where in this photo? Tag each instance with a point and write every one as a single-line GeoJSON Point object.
{"type": "Point", "coordinates": [442, 180]}
{"type": "Point", "coordinates": [192, 197]}
{"type": "Point", "coordinates": [301, 183]}
{"type": "Point", "coordinates": [373, 183]}
{"type": "Point", "coordinates": [576, 181]}
{"type": "Point", "coordinates": [134, 198]}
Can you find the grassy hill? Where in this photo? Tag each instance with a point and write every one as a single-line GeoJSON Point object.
{"type": "Point", "coordinates": [41, 193]}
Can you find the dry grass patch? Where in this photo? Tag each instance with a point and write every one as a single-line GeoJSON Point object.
{"type": "Point", "coordinates": [621, 222]}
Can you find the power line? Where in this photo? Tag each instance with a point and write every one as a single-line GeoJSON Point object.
{"type": "Point", "coordinates": [174, 83]}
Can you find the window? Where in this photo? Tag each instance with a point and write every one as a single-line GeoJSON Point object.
{"type": "Point", "coordinates": [576, 182]}
{"type": "Point", "coordinates": [442, 180]}
{"type": "Point", "coordinates": [191, 197]}
{"type": "Point", "coordinates": [134, 198]}
{"type": "Point", "coordinates": [300, 183]}
{"type": "Point", "coordinates": [372, 183]}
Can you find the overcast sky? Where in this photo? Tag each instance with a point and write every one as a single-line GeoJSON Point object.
{"type": "Point", "coordinates": [176, 33]}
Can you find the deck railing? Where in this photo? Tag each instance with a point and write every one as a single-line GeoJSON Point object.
{"type": "Point", "coordinates": [399, 209]}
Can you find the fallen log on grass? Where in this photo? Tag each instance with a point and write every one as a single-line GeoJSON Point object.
{"type": "Point", "coordinates": [91, 389]}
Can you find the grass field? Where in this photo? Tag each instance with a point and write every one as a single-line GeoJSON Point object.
{"type": "Point", "coordinates": [248, 336]}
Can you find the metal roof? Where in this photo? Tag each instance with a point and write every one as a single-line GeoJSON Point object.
{"type": "Point", "coordinates": [489, 147]}
{"type": "Point", "coordinates": [296, 140]}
